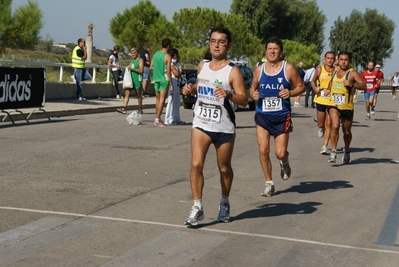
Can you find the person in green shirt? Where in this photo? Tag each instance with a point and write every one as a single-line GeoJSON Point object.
{"type": "Point", "coordinates": [136, 69]}
{"type": "Point", "coordinates": [161, 69]}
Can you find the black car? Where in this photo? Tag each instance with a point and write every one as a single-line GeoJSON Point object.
{"type": "Point", "coordinates": [247, 74]}
{"type": "Point", "coordinates": [190, 76]}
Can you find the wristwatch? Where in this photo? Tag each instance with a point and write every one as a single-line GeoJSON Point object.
{"type": "Point", "coordinates": [229, 94]}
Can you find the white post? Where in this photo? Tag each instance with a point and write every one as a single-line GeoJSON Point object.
{"type": "Point", "coordinates": [61, 73]}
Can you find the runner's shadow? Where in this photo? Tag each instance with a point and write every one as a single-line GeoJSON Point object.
{"type": "Point", "coordinates": [384, 120]}
{"type": "Point", "coordinates": [277, 209]}
{"type": "Point", "coordinates": [361, 125]}
{"type": "Point", "coordinates": [361, 149]}
{"type": "Point", "coordinates": [386, 111]}
{"type": "Point", "coordinates": [300, 115]}
{"type": "Point", "coordinates": [311, 187]}
{"type": "Point", "coordinates": [372, 161]}
{"type": "Point", "coordinates": [246, 127]}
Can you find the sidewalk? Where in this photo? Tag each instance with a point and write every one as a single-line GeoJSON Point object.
{"type": "Point", "coordinates": [71, 107]}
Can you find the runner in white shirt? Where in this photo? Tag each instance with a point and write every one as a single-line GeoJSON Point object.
{"type": "Point", "coordinates": [214, 121]}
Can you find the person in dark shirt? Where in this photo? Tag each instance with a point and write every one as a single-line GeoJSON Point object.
{"type": "Point", "coordinates": [301, 73]}
{"type": "Point", "coordinates": [145, 55]}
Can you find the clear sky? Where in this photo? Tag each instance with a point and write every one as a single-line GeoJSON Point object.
{"type": "Point", "coordinates": [66, 21]}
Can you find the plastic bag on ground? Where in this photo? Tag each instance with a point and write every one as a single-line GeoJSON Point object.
{"type": "Point", "coordinates": [134, 118]}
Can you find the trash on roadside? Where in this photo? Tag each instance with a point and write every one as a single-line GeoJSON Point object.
{"type": "Point", "coordinates": [134, 118]}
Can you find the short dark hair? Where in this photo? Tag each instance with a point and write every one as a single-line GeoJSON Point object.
{"type": "Point", "coordinates": [116, 47]}
{"type": "Point", "coordinates": [172, 52]}
{"type": "Point", "coordinates": [329, 52]}
{"type": "Point", "coordinates": [345, 53]}
{"type": "Point", "coordinates": [275, 40]}
{"type": "Point", "coordinates": [166, 42]}
{"type": "Point", "coordinates": [80, 40]}
{"type": "Point", "coordinates": [223, 30]}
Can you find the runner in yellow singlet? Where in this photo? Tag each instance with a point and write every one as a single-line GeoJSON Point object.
{"type": "Point", "coordinates": [319, 83]}
{"type": "Point", "coordinates": [342, 88]}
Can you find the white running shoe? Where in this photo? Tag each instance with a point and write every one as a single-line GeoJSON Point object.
{"type": "Point", "coordinates": [320, 134]}
{"type": "Point", "coordinates": [324, 150]}
{"type": "Point", "coordinates": [194, 217]}
{"type": "Point", "coordinates": [333, 157]}
{"type": "Point", "coordinates": [269, 190]}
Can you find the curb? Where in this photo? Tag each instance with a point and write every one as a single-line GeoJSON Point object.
{"type": "Point", "coordinates": [38, 114]}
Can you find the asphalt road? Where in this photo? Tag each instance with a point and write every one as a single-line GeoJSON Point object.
{"type": "Point", "coordinates": [91, 190]}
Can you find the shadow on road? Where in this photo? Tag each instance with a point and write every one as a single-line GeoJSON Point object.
{"type": "Point", "coordinates": [278, 209]}
{"type": "Point", "coordinates": [22, 123]}
{"type": "Point", "coordinates": [315, 186]}
{"type": "Point", "coordinates": [372, 161]}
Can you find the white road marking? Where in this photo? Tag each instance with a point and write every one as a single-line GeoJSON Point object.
{"type": "Point", "coordinates": [204, 229]}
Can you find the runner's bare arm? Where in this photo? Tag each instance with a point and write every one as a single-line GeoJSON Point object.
{"type": "Point", "coordinates": [298, 87]}
{"type": "Point", "coordinates": [237, 83]}
{"type": "Point", "coordinates": [315, 78]}
{"type": "Point", "coordinates": [356, 81]}
{"type": "Point", "coordinates": [255, 82]}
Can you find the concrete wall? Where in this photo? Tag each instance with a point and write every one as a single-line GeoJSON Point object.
{"type": "Point", "coordinates": [89, 90]}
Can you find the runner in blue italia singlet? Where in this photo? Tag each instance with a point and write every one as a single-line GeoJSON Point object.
{"type": "Point", "coordinates": [269, 86]}
{"type": "Point", "coordinates": [273, 84]}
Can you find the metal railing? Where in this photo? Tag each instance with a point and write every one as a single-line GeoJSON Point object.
{"type": "Point", "coordinates": [62, 66]}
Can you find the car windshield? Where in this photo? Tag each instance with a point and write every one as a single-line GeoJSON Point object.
{"type": "Point", "coordinates": [246, 72]}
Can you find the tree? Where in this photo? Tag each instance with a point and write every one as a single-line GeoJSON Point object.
{"type": "Point", "coordinates": [21, 29]}
{"type": "Point", "coordinates": [297, 20]}
{"type": "Point", "coordinates": [141, 24]}
{"type": "Point", "coordinates": [295, 52]}
{"type": "Point", "coordinates": [5, 21]}
{"type": "Point", "coordinates": [368, 37]}
{"type": "Point", "coordinates": [245, 44]}
{"type": "Point", "coordinates": [45, 44]}
{"type": "Point", "coordinates": [194, 27]}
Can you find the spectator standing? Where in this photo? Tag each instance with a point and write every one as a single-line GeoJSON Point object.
{"type": "Point", "coordinates": [301, 73]}
{"type": "Point", "coordinates": [309, 90]}
{"type": "Point", "coordinates": [273, 84]}
{"type": "Point", "coordinates": [136, 68]}
{"type": "Point", "coordinates": [79, 55]}
{"type": "Point", "coordinates": [161, 66]}
{"type": "Point", "coordinates": [172, 114]}
{"type": "Point", "coordinates": [145, 56]}
{"type": "Point", "coordinates": [219, 86]}
{"type": "Point", "coordinates": [113, 62]}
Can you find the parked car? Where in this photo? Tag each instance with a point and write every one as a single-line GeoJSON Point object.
{"type": "Point", "coordinates": [248, 75]}
{"type": "Point", "coordinates": [189, 76]}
